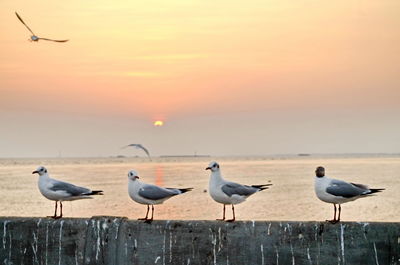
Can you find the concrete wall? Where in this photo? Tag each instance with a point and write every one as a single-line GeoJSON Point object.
{"type": "Point", "coordinates": [114, 240]}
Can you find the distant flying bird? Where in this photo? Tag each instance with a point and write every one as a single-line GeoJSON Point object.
{"type": "Point", "coordinates": [227, 192]}
{"type": "Point", "coordinates": [138, 146]}
{"type": "Point", "coordinates": [34, 37]}
{"type": "Point", "coordinates": [60, 191]}
{"type": "Point", "coordinates": [149, 194]}
{"type": "Point", "coordinates": [337, 191]}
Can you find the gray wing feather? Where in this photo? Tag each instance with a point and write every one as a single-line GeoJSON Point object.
{"type": "Point", "coordinates": [53, 40]}
{"type": "Point", "coordinates": [69, 188]}
{"type": "Point", "coordinates": [346, 190]}
{"type": "Point", "coordinates": [153, 192]}
{"type": "Point", "coordinates": [139, 146]}
{"type": "Point", "coordinates": [361, 186]}
{"type": "Point", "coordinates": [20, 19]}
{"type": "Point", "coordinates": [232, 188]}
{"type": "Point", "coordinates": [144, 149]}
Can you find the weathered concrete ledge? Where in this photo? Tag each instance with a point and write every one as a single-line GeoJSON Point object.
{"type": "Point", "coordinates": [115, 240]}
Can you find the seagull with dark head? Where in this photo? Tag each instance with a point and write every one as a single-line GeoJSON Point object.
{"type": "Point", "coordinates": [338, 192]}
{"type": "Point", "coordinates": [60, 191]}
{"type": "Point", "coordinates": [229, 193]}
{"type": "Point", "coordinates": [34, 37]}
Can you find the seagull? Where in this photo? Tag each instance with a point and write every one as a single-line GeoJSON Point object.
{"type": "Point", "coordinates": [149, 194]}
{"type": "Point", "coordinates": [138, 146]}
{"type": "Point", "coordinates": [337, 191]}
{"type": "Point", "coordinates": [34, 37]}
{"type": "Point", "coordinates": [227, 192]}
{"type": "Point", "coordinates": [60, 191]}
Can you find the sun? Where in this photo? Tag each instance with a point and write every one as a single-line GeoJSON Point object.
{"type": "Point", "coordinates": [158, 123]}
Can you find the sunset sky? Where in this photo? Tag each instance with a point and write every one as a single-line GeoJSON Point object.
{"type": "Point", "coordinates": [253, 77]}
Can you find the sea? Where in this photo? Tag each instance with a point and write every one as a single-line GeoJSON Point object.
{"type": "Point", "coordinates": [291, 196]}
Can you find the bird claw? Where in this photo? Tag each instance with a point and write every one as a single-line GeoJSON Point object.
{"type": "Point", "coordinates": [230, 220]}
{"type": "Point", "coordinates": [55, 217]}
{"type": "Point", "coordinates": [333, 221]}
{"type": "Point", "coordinates": [220, 219]}
{"type": "Point", "coordinates": [148, 221]}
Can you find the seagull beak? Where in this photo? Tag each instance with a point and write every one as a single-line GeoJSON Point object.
{"type": "Point", "coordinates": [136, 177]}
{"type": "Point", "coordinates": [34, 172]}
{"type": "Point", "coordinates": [208, 168]}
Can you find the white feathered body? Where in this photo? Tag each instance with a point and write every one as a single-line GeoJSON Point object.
{"type": "Point", "coordinates": [45, 184]}
{"type": "Point", "coordinates": [320, 186]}
{"type": "Point", "coordinates": [215, 188]}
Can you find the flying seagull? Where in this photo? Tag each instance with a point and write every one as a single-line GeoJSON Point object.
{"type": "Point", "coordinates": [60, 191]}
{"type": "Point", "coordinates": [337, 191]}
{"type": "Point", "coordinates": [35, 37]}
{"type": "Point", "coordinates": [138, 146]}
{"type": "Point", "coordinates": [149, 194]}
{"type": "Point", "coordinates": [227, 192]}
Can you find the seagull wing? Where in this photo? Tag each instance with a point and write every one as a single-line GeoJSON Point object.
{"type": "Point", "coordinates": [232, 188]}
{"type": "Point", "coordinates": [69, 188]}
{"type": "Point", "coordinates": [346, 190]}
{"type": "Point", "coordinates": [139, 146]}
{"type": "Point", "coordinates": [144, 149]}
{"type": "Point", "coordinates": [53, 40]}
{"type": "Point", "coordinates": [123, 147]}
{"type": "Point", "coordinates": [20, 19]}
{"type": "Point", "coordinates": [153, 192]}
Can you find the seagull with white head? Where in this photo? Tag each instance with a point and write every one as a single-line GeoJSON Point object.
{"type": "Point", "coordinates": [338, 192]}
{"type": "Point", "coordinates": [229, 193]}
{"type": "Point", "coordinates": [60, 191]}
{"type": "Point", "coordinates": [149, 194]}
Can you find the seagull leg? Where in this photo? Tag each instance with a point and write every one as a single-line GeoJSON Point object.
{"type": "Point", "coordinates": [60, 216]}
{"type": "Point", "coordinates": [334, 220]}
{"type": "Point", "coordinates": [152, 213]}
{"type": "Point", "coordinates": [55, 212]}
{"type": "Point", "coordinates": [147, 213]}
{"type": "Point", "coordinates": [223, 215]}
{"type": "Point", "coordinates": [233, 215]}
{"type": "Point", "coordinates": [340, 210]}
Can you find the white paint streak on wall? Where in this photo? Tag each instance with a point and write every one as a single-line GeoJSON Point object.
{"type": "Point", "coordinates": [5, 234]}
{"type": "Point", "coordinates": [262, 254]}
{"type": "Point", "coordinates": [98, 243]}
{"type": "Point", "coordinates": [342, 226]}
{"type": "Point", "coordinates": [376, 255]}
{"type": "Point", "coordinates": [59, 242]}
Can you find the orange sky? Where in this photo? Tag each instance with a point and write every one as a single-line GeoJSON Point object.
{"type": "Point", "coordinates": [200, 63]}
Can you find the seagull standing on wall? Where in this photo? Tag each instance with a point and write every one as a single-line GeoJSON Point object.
{"type": "Point", "coordinates": [337, 191]}
{"type": "Point", "coordinates": [149, 194]}
{"type": "Point", "coordinates": [34, 37]}
{"type": "Point", "coordinates": [60, 191]}
{"type": "Point", "coordinates": [227, 192]}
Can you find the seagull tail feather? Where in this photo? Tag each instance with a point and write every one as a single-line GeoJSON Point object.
{"type": "Point", "coordinates": [375, 190]}
{"type": "Point", "coordinates": [185, 190]}
{"type": "Point", "coordinates": [262, 187]}
{"type": "Point", "coordinates": [95, 192]}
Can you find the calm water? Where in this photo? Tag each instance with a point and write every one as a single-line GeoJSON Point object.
{"type": "Point", "coordinates": [290, 198]}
